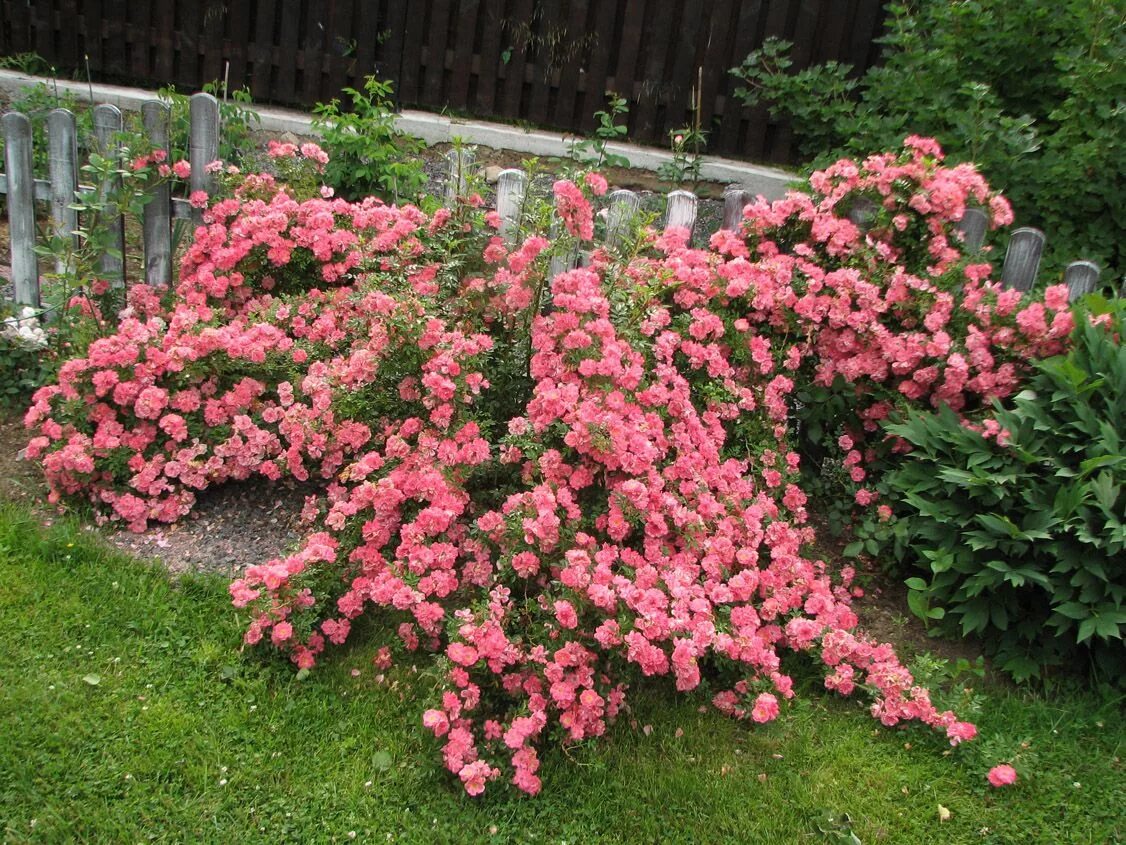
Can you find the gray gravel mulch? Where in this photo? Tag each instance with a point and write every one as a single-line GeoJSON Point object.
{"type": "Point", "coordinates": [231, 527]}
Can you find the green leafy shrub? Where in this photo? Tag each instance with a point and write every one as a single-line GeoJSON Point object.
{"type": "Point", "coordinates": [368, 155]}
{"type": "Point", "coordinates": [591, 152]}
{"type": "Point", "coordinates": [1020, 526]}
{"type": "Point", "coordinates": [1035, 99]}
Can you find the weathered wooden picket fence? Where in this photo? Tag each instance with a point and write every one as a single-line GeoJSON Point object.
{"type": "Point", "coordinates": [60, 188]}
{"type": "Point", "coordinates": [1019, 271]}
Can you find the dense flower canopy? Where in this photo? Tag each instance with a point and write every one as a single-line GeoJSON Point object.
{"type": "Point", "coordinates": [561, 484]}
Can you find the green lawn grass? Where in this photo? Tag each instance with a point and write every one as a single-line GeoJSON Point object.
{"type": "Point", "coordinates": [127, 715]}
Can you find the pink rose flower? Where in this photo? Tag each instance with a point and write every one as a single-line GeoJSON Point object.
{"type": "Point", "coordinates": [1002, 775]}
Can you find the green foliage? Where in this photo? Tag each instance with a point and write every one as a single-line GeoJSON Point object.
{"type": "Point", "coordinates": [368, 155]}
{"type": "Point", "coordinates": [1024, 544]}
{"type": "Point", "coordinates": [30, 63]}
{"type": "Point", "coordinates": [237, 119]}
{"type": "Point", "coordinates": [1034, 99]}
{"type": "Point", "coordinates": [591, 153]}
{"type": "Point", "coordinates": [684, 169]}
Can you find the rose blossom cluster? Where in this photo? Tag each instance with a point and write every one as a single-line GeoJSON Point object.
{"type": "Point", "coordinates": [555, 485]}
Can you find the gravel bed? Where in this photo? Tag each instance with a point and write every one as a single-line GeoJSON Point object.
{"type": "Point", "coordinates": [231, 527]}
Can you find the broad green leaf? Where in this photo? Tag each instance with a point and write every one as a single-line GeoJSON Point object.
{"type": "Point", "coordinates": [1107, 628]}
{"type": "Point", "coordinates": [1086, 629]}
{"type": "Point", "coordinates": [918, 604]}
{"type": "Point", "coordinates": [998, 524]}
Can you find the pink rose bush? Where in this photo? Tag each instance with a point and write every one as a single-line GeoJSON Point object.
{"type": "Point", "coordinates": [554, 485]}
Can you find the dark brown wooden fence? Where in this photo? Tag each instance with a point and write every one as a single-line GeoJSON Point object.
{"type": "Point", "coordinates": [547, 62]}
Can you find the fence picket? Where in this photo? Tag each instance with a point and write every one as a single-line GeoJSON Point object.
{"type": "Point", "coordinates": [624, 206]}
{"type": "Point", "coordinates": [21, 206]}
{"type": "Point", "coordinates": [62, 164]}
{"type": "Point", "coordinates": [1019, 271]}
{"type": "Point", "coordinates": [972, 226]}
{"type": "Point", "coordinates": [107, 132]}
{"type": "Point", "coordinates": [565, 261]}
{"type": "Point", "coordinates": [681, 211]}
{"type": "Point", "coordinates": [1081, 277]}
{"type": "Point", "coordinates": [461, 160]}
{"type": "Point", "coordinates": [1022, 261]}
{"type": "Point", "coordinates": [512, 184]}
{"type": "Point", "coordinates": [203, 145]}
{"type": "Point", "coordinates": [158, 210]}
{"type": "Point", "coordinates": [735, 199]}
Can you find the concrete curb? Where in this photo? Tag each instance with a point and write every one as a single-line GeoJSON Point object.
{"type": "Point", "coordinates": [438, 129]}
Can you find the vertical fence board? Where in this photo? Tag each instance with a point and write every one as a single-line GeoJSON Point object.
{"type": "Point", "coordinates": [461, 160]}
{"type": "Point", "coordinates": [361, 37]}
{"type": "Point", "coordinates": [339, 49]}
{"type": "Point", "coordinates": [68, 53]}
{"type": "Point", "coordinates": [544, 50]}
{"type": "Point", "coordinates": [746, 28]}
{"type": "Point", "coordinates": [1081, 277]}
{"type": "Point", "coordinates": [735, 199]}
{"type": "Point", "coordinates": [212, 56]}
{"type": "Point", "coordinates": [681, 211]}
{"type": "Point", "coordinates": [19, 26]}
{"type": "Point", "coordinates": [462, 70]}
{"type": "Point", "coordinates": [43, 26]}
{"type": "Point", "coordinates": [62, 162]}
{"type": "Point", "coordinates": [518, 46]}
{"type": "Point", "coordinates": [1022, 261]}
{"type": "Point", "coordinates": [287, 45]}
{"type": "Point", "coordinates": [203, 146]}
{"type": "Point", "coordinates": [21, 206]}
{"type": "Point", "coordinates": [261, 53]}
{"type": "Point", "coordinates": [238, 32]}
{"type": "Point", "coordinates": [91, 35]}
{"type": "Point", "coordinates": [973, 225]}
{"type": "Point", "coordinates": [140, 16]}
{"type": "Point", "coordinates": [715, 44]}
{"type": "Point", "coordinates": [115, 32]}
{"type": "Point", "coordinates": [164, 25]}
{"type": "Point", "coordinates": [511, 187]}
{"type": "Point", "coordinates": [598, 66]}
{"type": "Point", "coordinates": [488, 61]}
{"type": "Point", "coordinates": [158, 210]}
{"type": "Point", "coordinates": [391, 50]}
{"type": "Point", "coordinates": [683, 74]}
{"type": "Point", "coordinates": [576, 34]}
{"type": "Point", "coordinates": [107, 132]}
{"type": "Point", "coordinates": [312, 51]}
{"type": "Point", "coordinates": [624, 206]}
{"type": "Point", "coordinates": [190, 22]}
{"type": "Point", "coordinates": [625, 60]}
{"type": "Point", "coordinates": [565, 261]}
{"type": "Point", "coordinates": [410, 91]}
{"type": "Point", "coordinates": [435, 67]}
